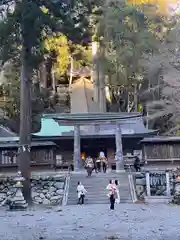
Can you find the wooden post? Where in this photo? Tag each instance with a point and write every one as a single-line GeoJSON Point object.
{"type": "Point", "coordinates": [77, 148]}
{"type": "Point", "coordinates": [148, 189]}
{"type": "Point", "coordinates": [168, 188]}
{"type": "Point", "coordinates": [119, 150]}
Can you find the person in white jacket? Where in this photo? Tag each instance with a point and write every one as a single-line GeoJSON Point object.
{"type": "Point", "coordinates": [112, 192]}
{"type": "Point", "coordinates": [81, 191]}
{"type": "Point", "coordinates": [117, 192]}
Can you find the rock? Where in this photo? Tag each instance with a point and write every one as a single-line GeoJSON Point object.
{"type": "Point", "coordinates": [52, 194]}
{"type": "Point", "coordinates": [58, 178]}
{"type": "Point", "coordinates": [139, 189]}
{"type": "Point", "coordinates": [42, 196]}
{"type": "Point", "coordinates": [45, 191]}
{"type": "Point", "coordinates": [36, 178]}
{"type": "Point", "coordinates": [177, 188]}
{"type": "Point", "coordinates": [2, 195]}
{"type": "Point", "coordinates": [44, 178]}
{"type": "Point", "coordinates": [1, 187]}
{"type": "Point", "coordinates": [160, 192]}
{"type": "Point", "coordinates": [59, 185]}
{"type": "Point", "coordinates": [48, 196]}
{"type": "Point", "coordinates": [34, 194]}
{"type": "Point", "coordinates": [58, 209]}
{"type": "Point", "coordinates": [55, 198]}
{"type": "Point", "coordinates": [38, 200]}
{"type": "Point", "coordinates": [46, 201]}
{"type": "Point", "coordinates": [9, 193]}
{"type": "Point", "coordinates": [50, 183]}
{"type": "Point", "coordinates": [52, 189]}
{"type": "Point", "coordinates": [4, 190]}
{"type": "Point", "coordinates": [60, 192]}
{"type": "Point", "coordinates": [39, 190]}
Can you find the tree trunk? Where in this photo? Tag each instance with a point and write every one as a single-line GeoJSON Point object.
{"type": "Point", "coordinates": [102, 94]}
{"type": "Point", "coordinates": [135, 98]}
{"type": "Point", "coordinates": [25, 126]}
{"type": "Point", "coordinates": [53, 82]}
{"type": "Point", "coordinates": [94, 73]}
{"type": "Point", "coordinates": [43, 75]}
{"type": "Point", "coordinates": [71, 72]}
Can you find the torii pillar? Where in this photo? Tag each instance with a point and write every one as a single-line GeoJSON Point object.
{"type": "Point", "coordinates": [119, 150]}
{"type": "Point", "coordinates": [77, 148]}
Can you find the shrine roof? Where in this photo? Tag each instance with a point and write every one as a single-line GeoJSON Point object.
{"type": "Point", "coordinates": [161, 139]}
{"type": "Point", "coordinates": [6, 132]}
{"type": "Point", "coordinates": [129, 126]}
{"type": "Point", "coordinates": [79, 118]}
{"type": "Point", "coordinates": [15, 144]}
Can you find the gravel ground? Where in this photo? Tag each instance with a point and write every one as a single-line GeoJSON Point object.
{"type": "Point", "coordinates": [95, 222]}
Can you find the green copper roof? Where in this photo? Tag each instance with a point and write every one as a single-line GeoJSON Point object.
{"type": "Point", "coordinates": [49, 127]}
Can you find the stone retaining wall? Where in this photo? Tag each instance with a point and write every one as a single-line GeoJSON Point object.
{"type": "Point", "coordinates": [45, 189]}
{"type": "Point", "coordinates": [140, 186]}
{"type": "Point", "coordinates": [157, 185]}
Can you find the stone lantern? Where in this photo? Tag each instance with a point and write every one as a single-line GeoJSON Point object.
{"type": "Point", "coordinates": [18, 202]}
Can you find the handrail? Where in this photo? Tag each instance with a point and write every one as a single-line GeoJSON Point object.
{"type": "Point", "coordinates": [66, 189]}
{"type": "Point", "coordinates": [131, 185]}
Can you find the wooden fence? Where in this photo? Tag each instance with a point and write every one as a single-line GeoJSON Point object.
{"type": "Point", "coordinates": [39, 157]}
{"type": "Point", "coordinates": [162, 151]}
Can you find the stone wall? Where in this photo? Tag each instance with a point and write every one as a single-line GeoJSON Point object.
{"type": "Point", "coordinates": [157, 184]}
{"type": "Point", "coordinates": [45, 189]}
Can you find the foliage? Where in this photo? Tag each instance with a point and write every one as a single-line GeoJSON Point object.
{"type": "Point", "coordinates": [128, 42]}
{"type": "Point", "coordinates": [164, 108]}
{"type": "Point", "coordinates": [33, 20]}
{"type": "Point", "coordinates": [42, 102]}
{"type": "Point", "coordinates": [26, 24]}
{"type": "Point", "coordinates": [61, 50]}
{"type": "Point", "coordinates": [162, 5]}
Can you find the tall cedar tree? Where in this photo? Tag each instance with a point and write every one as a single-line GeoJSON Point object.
{"type": "Point", "coordinates": [23, 26]}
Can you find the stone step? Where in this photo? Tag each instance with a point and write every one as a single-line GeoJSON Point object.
{"type": "Point", "coordinates": [97, 202]}
{"type": "Point", "coordinates": [96, 188]}
{"type": "Point", "coordinates": [100, 192]}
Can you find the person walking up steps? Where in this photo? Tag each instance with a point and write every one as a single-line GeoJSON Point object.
{"type": "Point", "coordinates": [98, 164]}
{"type": "Point", "coordinates": [81, 191]}
{"type": "Point", "coordinates": [112, 190]}
{"type": "Point", "coordinates": [104, 164]}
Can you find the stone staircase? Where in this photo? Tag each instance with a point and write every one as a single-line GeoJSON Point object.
{"type": "Point", "coordinates": [96, 187]}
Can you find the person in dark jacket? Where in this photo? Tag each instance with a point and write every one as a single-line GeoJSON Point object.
{"type": "Point", "coordinates": [137, 164]}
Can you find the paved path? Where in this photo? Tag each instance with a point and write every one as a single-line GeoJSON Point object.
{"type": "Point", "coordinates": [94, 222]}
